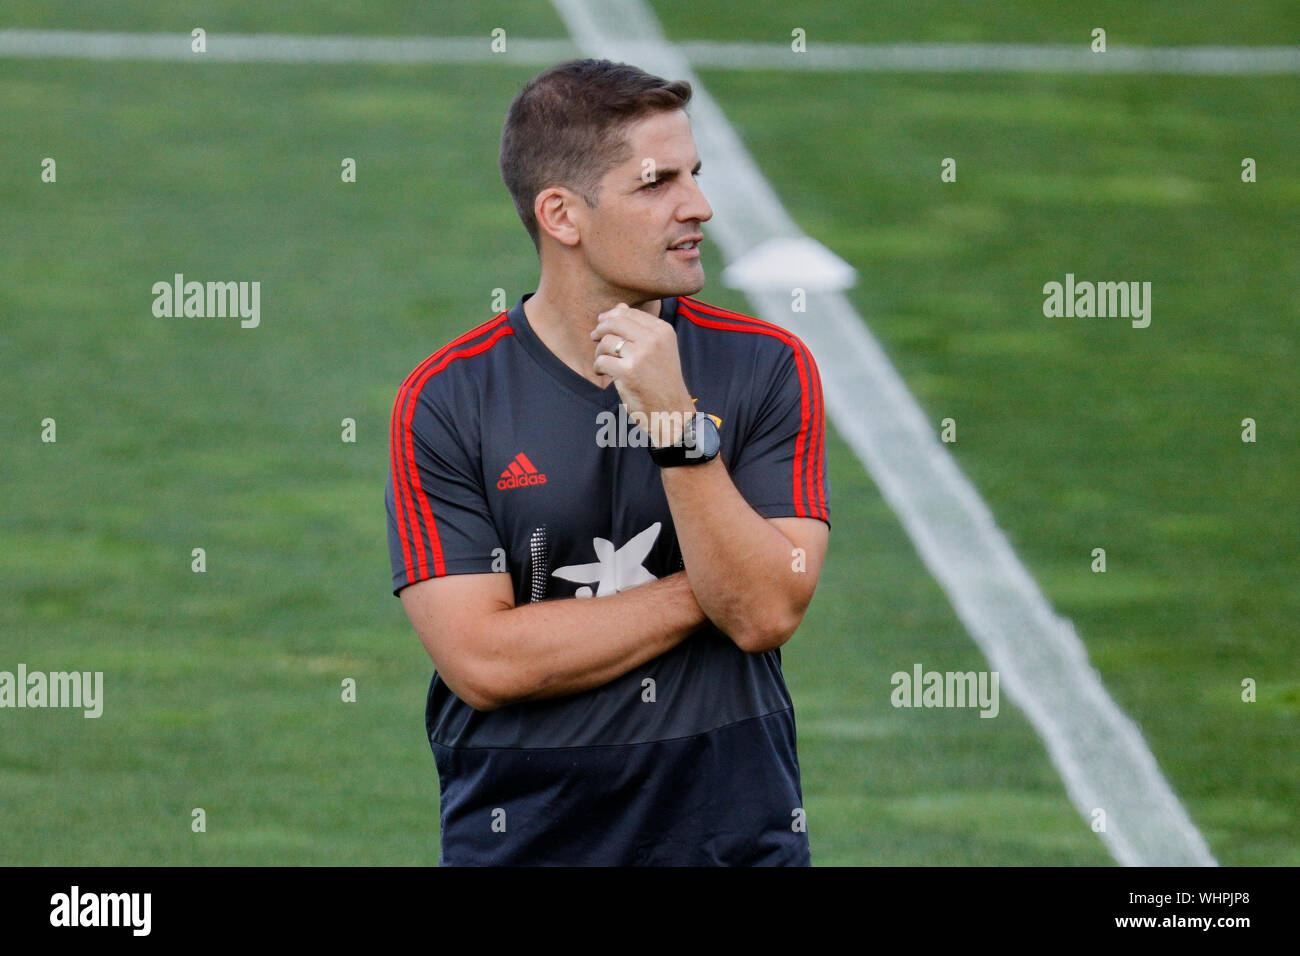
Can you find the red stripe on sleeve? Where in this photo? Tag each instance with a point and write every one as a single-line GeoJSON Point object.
{"type": "Point", "coordinates": [802, 447]}
{"type": "Point", "coordinates": [816, 440]}
{"type": "Point", "coordinates": [435, 543]}
{"type": "Point", "coordinates": [402, 458]}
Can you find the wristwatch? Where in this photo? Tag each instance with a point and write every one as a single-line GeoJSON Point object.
{"type": "Point", "coordinates": [699, 444]}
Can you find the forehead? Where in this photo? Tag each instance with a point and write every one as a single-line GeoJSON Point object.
{"type": "Point", "coordinates": [664, 137]}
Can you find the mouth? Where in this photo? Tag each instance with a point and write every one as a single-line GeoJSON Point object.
{"type": "Point", "coordinates": [687, 248]}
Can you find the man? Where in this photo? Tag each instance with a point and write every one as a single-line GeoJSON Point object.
{"type": "Point", "coordinates": [605, 617]}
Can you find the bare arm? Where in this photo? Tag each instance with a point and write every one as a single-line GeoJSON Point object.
{"type": "Point", "coordinates": [746, 570]}
{"type": "Point", "coordinates": [741, 564]}
{"type": "Point", "coordinates": [491, 653]}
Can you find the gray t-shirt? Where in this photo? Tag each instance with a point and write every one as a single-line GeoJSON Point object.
{"type": "Point", "coordinates": [505, 459]}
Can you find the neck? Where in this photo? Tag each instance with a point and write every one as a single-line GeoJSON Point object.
{"type": "Point", "coordinates": [564, 317]}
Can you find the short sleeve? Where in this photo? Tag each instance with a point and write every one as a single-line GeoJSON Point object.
{"type": "Point", "coordinates": [439, 522]}
{"type": "Point", "coordinates": [779, 466]}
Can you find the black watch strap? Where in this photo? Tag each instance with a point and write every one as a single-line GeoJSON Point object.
{"type": "Point", "coordinates": [699, 444]}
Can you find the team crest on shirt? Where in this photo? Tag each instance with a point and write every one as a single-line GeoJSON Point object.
{"type": "Point", "coordinates": [615, 569]}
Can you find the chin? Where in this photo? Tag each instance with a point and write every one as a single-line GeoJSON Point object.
{"type": "Point", "coordinates": [692, 287]}
{"type": "Point", "coordinates": [679, 286]}
{"type": "Point", "coordinates": [660, 287]}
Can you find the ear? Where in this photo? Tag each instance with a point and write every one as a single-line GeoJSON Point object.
{"type": "Point", "coordinates": [554, 208]}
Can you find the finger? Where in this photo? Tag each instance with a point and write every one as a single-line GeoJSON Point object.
{"type": "Point", "coordinates": [622, 318]}
{"type": "Point", "coordinates": [610, 365]}
{"type": "Point", "coordinates": [609, 343]}
{"type": "Point", "coordinates": [609, 340]}
{"type": "Point", "coordinates": [614, 323]}
{"type": "Point", "coordinates": [612, 313]}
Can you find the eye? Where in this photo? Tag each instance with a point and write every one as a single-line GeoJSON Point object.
{"type": "Point", "coordinates": [655, 183]}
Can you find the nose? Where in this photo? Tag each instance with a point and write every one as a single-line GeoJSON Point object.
{"type": "Point", "coordinates": [696, 206]}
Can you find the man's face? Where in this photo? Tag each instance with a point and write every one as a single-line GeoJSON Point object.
{"type": "Point", "coordinates": [647, 204]}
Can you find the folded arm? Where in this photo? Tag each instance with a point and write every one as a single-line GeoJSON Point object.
{"type": "Point", "coordinates": [492, 653]}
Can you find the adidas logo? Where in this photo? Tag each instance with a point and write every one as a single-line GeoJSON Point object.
{"type": "Point", "coordinates": [521, 472]}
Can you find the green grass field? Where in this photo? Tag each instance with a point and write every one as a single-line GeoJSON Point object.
{"type": "Point", "coordinates": [223, 688]}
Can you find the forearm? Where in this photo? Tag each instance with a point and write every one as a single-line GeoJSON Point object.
{"type": "Point", "coordinates": [559, 647]}
{"type": "Point", "coordinates": [739, 565]}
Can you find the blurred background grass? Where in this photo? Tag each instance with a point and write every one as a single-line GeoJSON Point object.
{"type": "Point", "coordinates": [222, 689]}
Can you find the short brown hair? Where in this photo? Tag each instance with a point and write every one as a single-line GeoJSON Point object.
{"type": "Point", "coordinates": [565, 128]}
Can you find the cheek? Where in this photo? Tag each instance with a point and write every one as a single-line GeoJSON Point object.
{"type": "Point", "coordinates": [633, 243]}
{"type": "Point", "coordinates": [630, 245]}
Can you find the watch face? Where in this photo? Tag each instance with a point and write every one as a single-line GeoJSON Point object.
{"type": "Point", "coordinates": [701, 438]}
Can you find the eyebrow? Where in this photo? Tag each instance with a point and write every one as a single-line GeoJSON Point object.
{"type": "Point", "coordinates": [664, 173]}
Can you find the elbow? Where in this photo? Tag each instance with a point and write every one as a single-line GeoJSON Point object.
{"type": "Point", "coordinates": [478, 676]}
{"type": "Point", "coordinates": [472, 694]}
{"type": "Point", "coordinates": [480, 702]}
{"type": "Point", "coordinates": [759, 629]}
{"type": "Point", "coordinates": [490, 683]}
{"type": "Point", "coordinates": [766, 636]}
{"type": "Point", "coordinates": [477, 688]}
{"type": "Point", "coordinates": [761, 643]}
{"type": "Point", "coordinates": [759, 634]}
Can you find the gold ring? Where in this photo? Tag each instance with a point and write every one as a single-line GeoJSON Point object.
{"type": "Point", "coordinates": [618, 349]}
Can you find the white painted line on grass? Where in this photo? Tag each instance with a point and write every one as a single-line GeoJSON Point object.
{"type": "Point", "coordinates": [993, 58]}
{"type": "Point", "coordinates": [1044, 667]}
{"type": "Point", "coordinates": [702, 54]}
{"type": "Point", "coordinates": [278, 48]}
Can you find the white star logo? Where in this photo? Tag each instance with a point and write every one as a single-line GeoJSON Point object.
{"type": "Point", "coordinates": [613, 571]}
